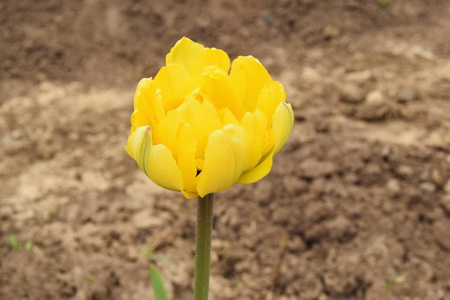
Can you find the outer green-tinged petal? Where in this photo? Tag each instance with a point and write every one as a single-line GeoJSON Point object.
{"type": "Point", "coordinates": [156, 161]}
{"type": "Point", "coordinates": [219, 167]}
{"type": "Point", "coordinates": [247, 77]}
{"type": "Point", "coordinates": [183, 53]}
{"type": "Point", "coordinates": [135, 142]}
{"type": "Point", "coordinates": [257, 173]}
{"type": "Point", "coordinates": [283, 121]}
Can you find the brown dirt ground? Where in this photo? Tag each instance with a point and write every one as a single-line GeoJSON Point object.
{"type": "Point", "coordinates": [357, 205]}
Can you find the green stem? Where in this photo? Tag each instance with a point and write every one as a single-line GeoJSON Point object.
{"type": "Point", "coordinates": [203, 247]}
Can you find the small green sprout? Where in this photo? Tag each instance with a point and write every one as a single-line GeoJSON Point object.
{"type": "Point", "coordinates": [148, 252]}
{"type": "Point", "coordinates": [29, 245]}
{"type": "Point", "coordinates": [89, 277]}
{"type": "Point", "coordinates": [152, 257]}
{"type": "Point", "coordinates": [393, 280]}
{"type": "Point", "coordinates": [14, 242]}
{"type": "Point", "coordinates": [383, 2]}
{"type": "Point", "coordinates": [234, 283]}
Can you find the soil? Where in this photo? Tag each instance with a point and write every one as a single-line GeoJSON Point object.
{"type": "Point", "coordinates": [357, 205]}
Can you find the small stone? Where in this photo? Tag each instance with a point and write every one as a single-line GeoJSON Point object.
{"type": "Point", "coordinates": [294, 185]}
{"type": "Point", "coordinates": [447, 187]}
{"type": "Point", "coordinates": [405, 171]}
{"type": "Point", "coordinates": [428, 187]}
{"type": "Point", "coordinates": [421, 52]}
{"type": "Point", "coordinates": [375, 97]}
{"type": "Point", "coordinates": [406, 94]}
{"type": "Point", "coordinates": [338, 283]}
{"type": "Point", "coordinates": [330, 32]}
{"type": "Point", "coordinates": [322, 127]}
{"type": "Point", "coordinates": [268, 19]}
{"type": "Point", "coordinates": [282, 215]}
{"type": "Point", "coordinates": [263, 190]}
{"type": "Point", "coordinates": [311, 75]}
{"type": "Point", "coordinates": [441, 233]}
{"type": "Point", "coordinates": [376, 108]}
{"type": "Point", "coordinates": [437, 177]}
{"type": "Point", "coordinates": [393, 185]}
{"type": "Point", "coordinates": [16, 134]}
{"type": "Point", "coordinates": [143, 220]}
{"type": "Point", "coordinates": [351, 93]}
{"type": "Point", "coordinates": [341, 229]}
{"type": "Point", "coordinates": [312, 168]}
{"type": "Point", "coordinates": [351, 178]}
{"type": "Point", "coordinates": [446, 203]}
{"type": "Point", "coordinates": [322, 297]}
{"type": "Point", "coordinates": [360, 76]}
{"type": "Point", "coordinates": [13, 147]}
{"type": "Point", "coordinates": [435, 140]}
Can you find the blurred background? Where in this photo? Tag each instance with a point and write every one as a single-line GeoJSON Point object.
{"type": "Point", "coordinates": [357, 205]}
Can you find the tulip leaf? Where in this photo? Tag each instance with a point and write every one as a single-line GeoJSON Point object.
{"type": "Point", "coordinates": [159, 290]}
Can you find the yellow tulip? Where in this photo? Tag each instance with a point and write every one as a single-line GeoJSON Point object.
{"type": "Point", "coordinates": [199, 129]}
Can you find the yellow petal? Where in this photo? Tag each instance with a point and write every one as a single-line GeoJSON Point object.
{"type": "Point", "coordinates": [171, 83]}
{"type": "Point", "coordinates": [166, 131]}
{"type": "Point", "coordinates": [227, 117]}
{"type": "Point", "coordinates": [247, 77]}
{"type": "Point", "coordinates": [268, 141]}
{"type": "Point", "coordinates": [236, 137]}
{"type": "Point", "coordinates": [257, 173]}
{"type": "Point", "coordinates": [217, 88]}
{"type": "Point", "coordinates": [186, 158]}
{"type": "Point", "coordinates": [143, 86]}
{"type": "Point", "coordinates": [156, 161]}
{"type": "Point", "coordinates": [210, 57]}
{"type": "Point", "coordinates": [195, 57]}
{"type": "Point", "coordinates": [283, 121]}
{"type": "Point", "coordinates": [145, 110]}
{"type": "Point", "coordinates": [183, 53]}
{"type": "Point", "coordinates": [270, 97]}
{"type": "Point", "coordinates": [218, 172]}
{"type": "Point", "coordinates": [203, 119]}
{"type": "Point", "coordinates": [254, 126]}
{"type": "Point", "coordinates": [189, 195]}
{"type": "Point", "coordinates": [162, 168]}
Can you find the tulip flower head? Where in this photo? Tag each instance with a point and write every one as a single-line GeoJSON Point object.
{"type": "Point", "coordinates": [199, 127]}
